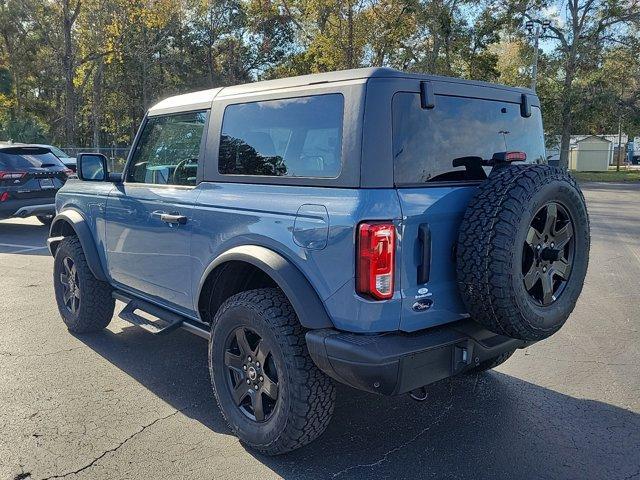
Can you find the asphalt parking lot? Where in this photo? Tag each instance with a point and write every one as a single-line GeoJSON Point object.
{"type": "Point", "coordinates": [126, 404]}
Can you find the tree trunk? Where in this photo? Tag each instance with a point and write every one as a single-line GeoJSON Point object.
{"type": "Point", "coordinates": [68, 66]}
{"type": "Point", "coordinates": [350, 33]}
{"type": "Point", "coordinates": [567, 100]}
{"type": "Point", "coordinates": [97, 102]}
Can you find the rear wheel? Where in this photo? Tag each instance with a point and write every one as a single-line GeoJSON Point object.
{"type": "Point", "coordinates": [84, 302]}
{"type": "Point", "coordinates": [269, 391]}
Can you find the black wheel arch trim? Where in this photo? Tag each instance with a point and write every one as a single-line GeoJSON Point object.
{"type": "Point", "coordinates": [303, 297]}
{"type": "Point", "coordinates": [78, 223]}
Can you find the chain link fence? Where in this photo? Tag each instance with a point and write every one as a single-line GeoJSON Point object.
{"type": "Point", "coordinates": [117, 156]}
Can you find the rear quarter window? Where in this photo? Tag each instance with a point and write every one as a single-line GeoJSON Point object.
{"type": "Point", "coordinates": [293, 137]}
{"type": "Point", "coordinates": [426, 141]}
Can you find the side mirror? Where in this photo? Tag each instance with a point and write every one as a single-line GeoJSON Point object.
{"type": "Point", "coordinates": [92, 167]}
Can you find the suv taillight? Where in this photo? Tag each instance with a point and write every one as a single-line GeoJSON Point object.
{"type": "Point", "coordinates": [11, 175]}
{"type": "Point", "coordinates": [375, 259]}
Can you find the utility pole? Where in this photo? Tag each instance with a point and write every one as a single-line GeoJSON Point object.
{"type": "Point", "coordinates": [536, 30]}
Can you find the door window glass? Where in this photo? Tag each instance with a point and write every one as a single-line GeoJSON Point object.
{"type": "Point", "coordinates": [168, 150]}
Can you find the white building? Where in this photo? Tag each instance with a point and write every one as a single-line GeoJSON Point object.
{"type": "Point", "coordinates": [591, 154]}
{"type": "Point", "coordinates": [612, 140]}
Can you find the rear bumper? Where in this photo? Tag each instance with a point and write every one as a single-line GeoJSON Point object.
{"type": "Point", "coordinates": [395, 363]}
{"type": "Point", "coordinates": [27, 207]}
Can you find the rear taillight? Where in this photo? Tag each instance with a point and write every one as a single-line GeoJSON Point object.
{"type": "Point", "coordinates": [11, 175]}
{"type": "Point", "coordinates": [375, 259]}
{"type": "Point", "coordinates": [516, 156]}
{"type": "Point", "coordinates": [4, 196]}
{"type": "Point", "coordinates": [502, 157]}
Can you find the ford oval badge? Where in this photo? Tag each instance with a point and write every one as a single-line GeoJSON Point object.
{"type": "Point", "coordinates": [422, 305]}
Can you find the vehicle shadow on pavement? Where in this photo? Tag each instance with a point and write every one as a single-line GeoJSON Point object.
{"type": "Point", "coordinates": [473, 426]}
{"type": "Point", "coordinates": [19, 238]}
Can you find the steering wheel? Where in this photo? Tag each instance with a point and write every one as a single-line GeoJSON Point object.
{"type": "Point", "coordinates": [181, 166]}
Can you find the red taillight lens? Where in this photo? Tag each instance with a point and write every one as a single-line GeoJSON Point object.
{"type": "Point", "coordinates": [4, 196]}
{"type": "Point", "coordinates": [515, 156]}
{"type": "Point", "coordinates": [375, 260]}
{"type": "Point", "coordinates": [11, 175]}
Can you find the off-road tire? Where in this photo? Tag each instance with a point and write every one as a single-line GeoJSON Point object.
{"type": "Point", "coordinates": [306, 395]}
{"type": "Point", "coordinates": [491, 363]}
{"type": "Point", "coordinates": [45, 219]}
{"type": "Point", "coordinates": [490, 250]}
{"type": "Point", "coordinates": [96, 303]}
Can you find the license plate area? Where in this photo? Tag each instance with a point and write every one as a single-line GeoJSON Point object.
{"type": "Point", "coordinates": [46, 183]}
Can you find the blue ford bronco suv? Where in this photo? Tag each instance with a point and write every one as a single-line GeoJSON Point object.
{"type": "Point", "coordinates": [373, 227]}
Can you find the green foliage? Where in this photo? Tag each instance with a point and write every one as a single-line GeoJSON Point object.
{"type": "Point", "coordinates": [83, 72]}
{"type": "Point", "coordinates": [23, 130]}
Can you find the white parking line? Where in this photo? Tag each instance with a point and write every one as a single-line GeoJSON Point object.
{"type": "Point", "coordinates": [22, 248]}
{"type": "Point", "coordinates": [30, 249]}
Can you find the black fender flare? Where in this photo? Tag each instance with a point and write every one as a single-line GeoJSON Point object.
{"type": "Point", "coordinates": [303, 297]}
{"type": "Point", "coordinates": [74, 220]}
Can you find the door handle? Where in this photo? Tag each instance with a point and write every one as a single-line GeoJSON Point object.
{"type": "Point", "coordinates": [173, 219]}
{"type": "Point", "coordinates": [424, 269]}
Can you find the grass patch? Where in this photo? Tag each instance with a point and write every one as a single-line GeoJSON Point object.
{"type": "Point", "coordinates": [610, 176]}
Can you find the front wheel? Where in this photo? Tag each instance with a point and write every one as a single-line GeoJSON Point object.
{"type": "Point", "coordinates": [269, 390]}
{"type": "Point", "coordinates": [45, 219]}
{"type": "Point", "coordinates": [84, 302]}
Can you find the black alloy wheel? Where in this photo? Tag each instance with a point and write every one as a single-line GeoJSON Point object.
{"type": "Point", "coordinates": [70, 285]}
{"type": "Point", "coordinates": [252, 374]}
{"type": "Point", "coordinates": [548, 253]}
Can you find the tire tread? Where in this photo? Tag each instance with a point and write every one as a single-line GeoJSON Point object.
{"type": "Point", "coordinates": [313, 392]}
{"type": "Point", "coordinates": [96, 304]}
{"type": "Point", "coordinates": [485, 243]}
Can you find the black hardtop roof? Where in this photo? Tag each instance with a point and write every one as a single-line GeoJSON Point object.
{"type": "Point", "coordinates": [202, 99]}
{"type": "Point", "coordinates": [353, 74]}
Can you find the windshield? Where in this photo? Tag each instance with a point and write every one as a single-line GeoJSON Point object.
{"type": "Point", "coordinates": [427, 141]}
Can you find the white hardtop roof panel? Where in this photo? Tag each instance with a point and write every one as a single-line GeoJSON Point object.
{"type": "Point", "coordinates": [184, 103]}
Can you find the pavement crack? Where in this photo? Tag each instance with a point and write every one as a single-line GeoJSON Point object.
{"type": "Point", "coordinates": [385, 457]}
{"type": "Point", "coordinates": [114, 449]}
{"type": "Point", "coordinates": [46, 354]}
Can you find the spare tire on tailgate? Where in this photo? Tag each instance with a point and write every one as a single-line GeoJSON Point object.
{"type": "Point", "coordinates": [523, 250]}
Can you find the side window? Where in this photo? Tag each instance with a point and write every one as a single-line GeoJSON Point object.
{"type": "Point", "coordinates": [168, 150]}
{"type": "Point", "coordinates": [294, 137]}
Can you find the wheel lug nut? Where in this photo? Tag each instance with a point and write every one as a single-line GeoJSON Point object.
{"type": "Point", "coordinates": [261, 379]}
{"type": "Point", "coordinates": [244, 367]}
{"type": "Point", "coordinates": [538, 247]}
{"type": "Point", "coordinates": [544, 269]}
{"type": "Point", "coordinates": [257, 364]}
{"type": "Point", "coordinates": [249, 358]}
{"type": "Point", "coordinates": [248, 381]}
{"type": "Point", "coordinates": [552, 244]}
{"type": "Point", "coordinates": [256, 387]}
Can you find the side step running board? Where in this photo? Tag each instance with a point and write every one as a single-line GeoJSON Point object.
{"type": "Point", "coordinates": [164, 321]}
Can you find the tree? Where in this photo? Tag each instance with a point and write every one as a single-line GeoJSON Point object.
{"type": "Point", "coordinates": [588, 27]}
